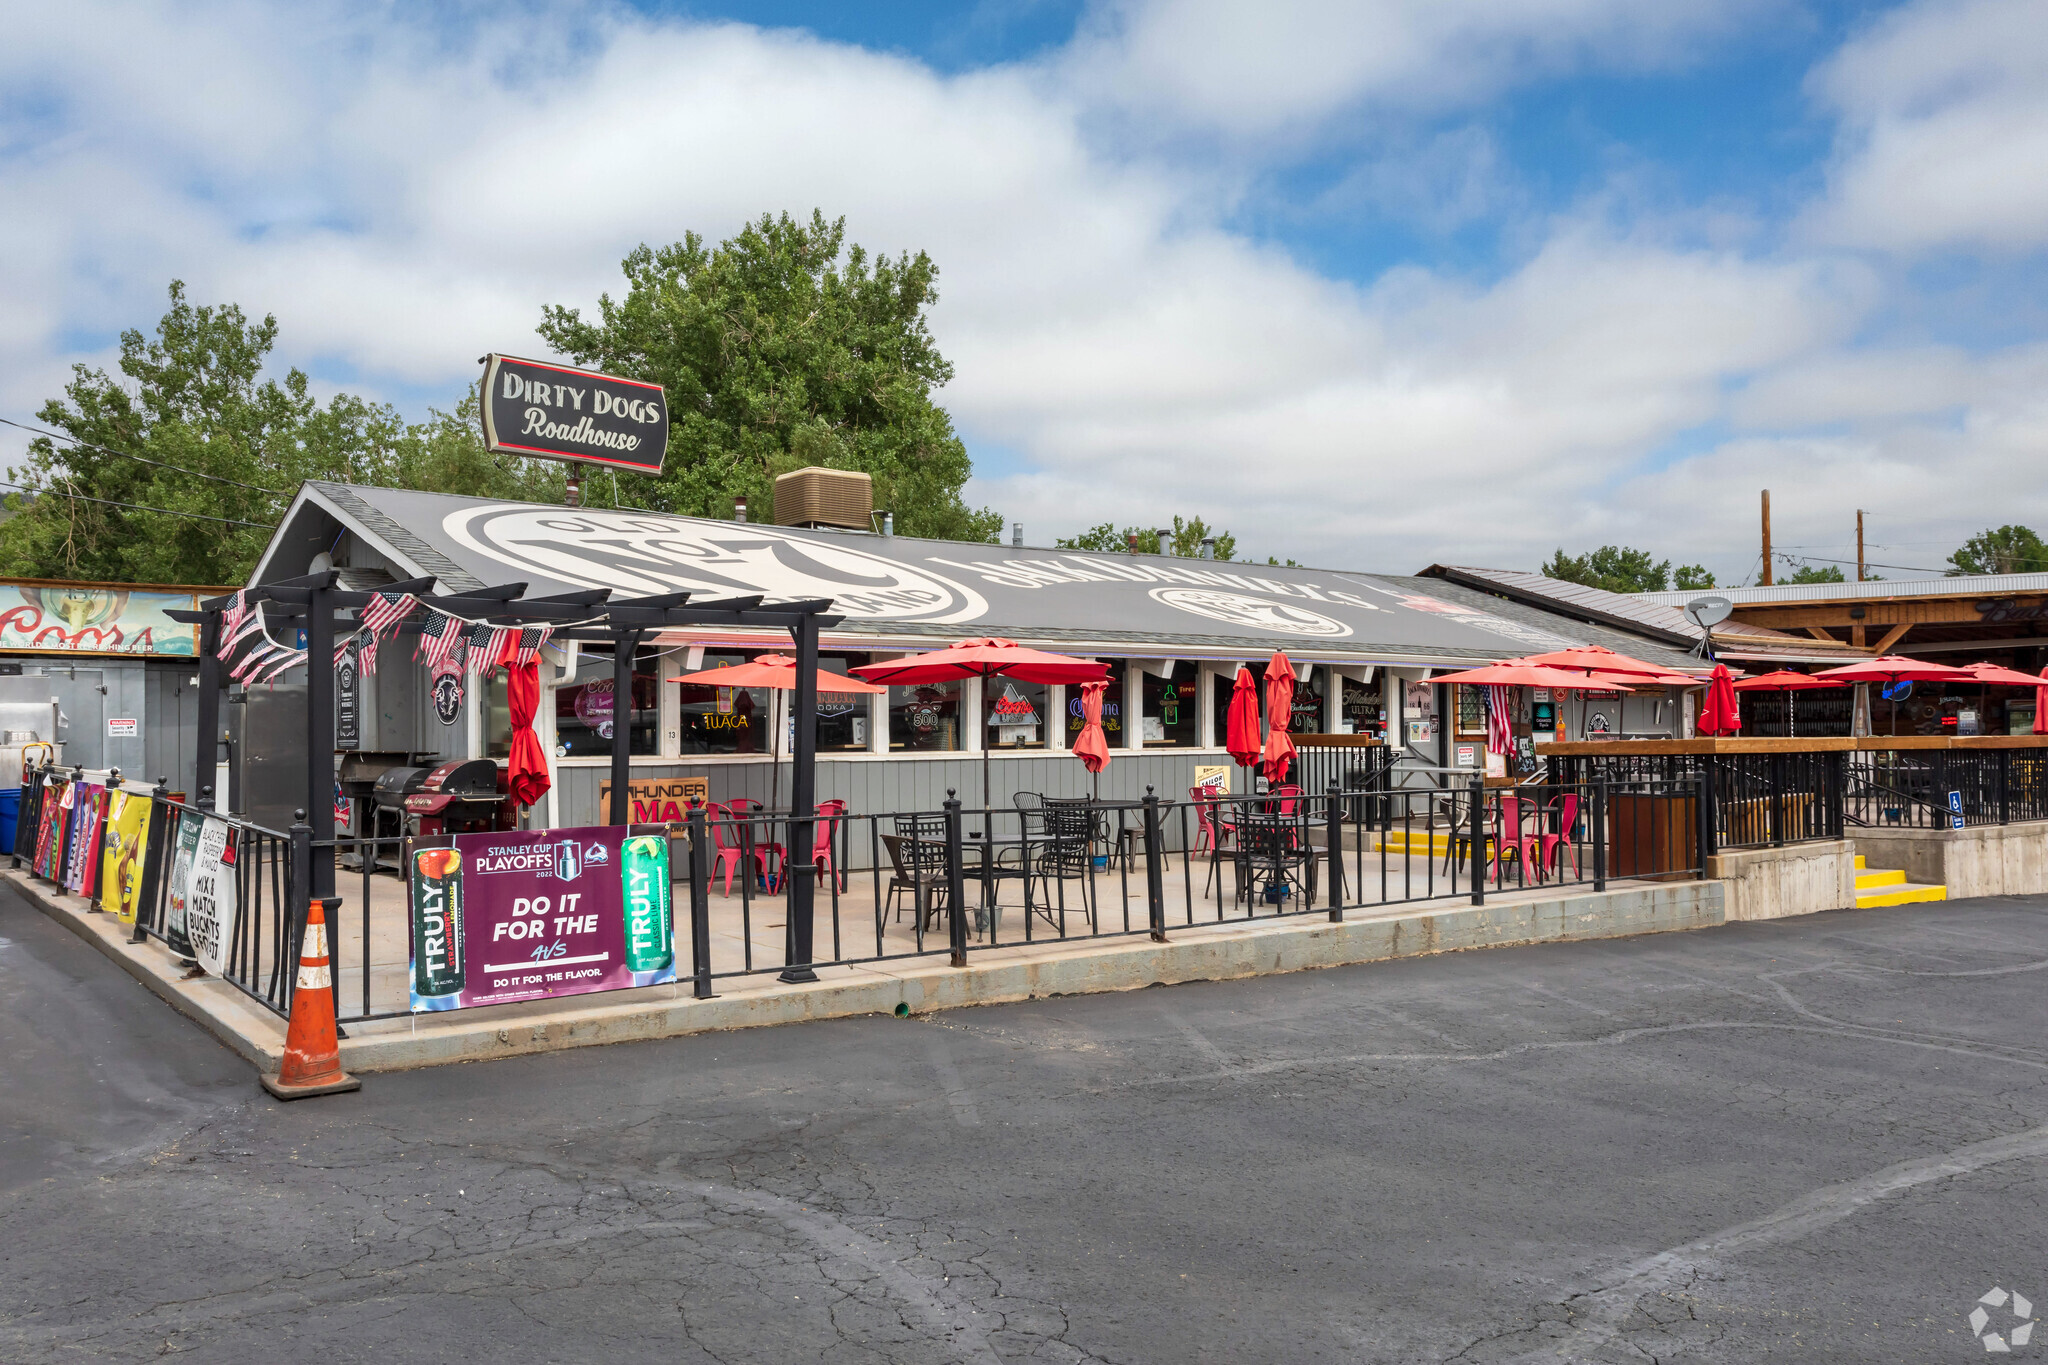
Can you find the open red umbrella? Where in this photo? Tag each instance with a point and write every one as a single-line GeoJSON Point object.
{"type": "Point", "coordinates": [1514, 674]}
{"type": "Point", "coordinates": [1889, 670]}
{"type": "Point", "coordinates": [1090, 746]}
{"type": "Point", "coordinates": [1590, 659]}
{"type": "Point", "coordinates": [1279, 750]}
{"type": "Point", "coordinates": [1721, 715]}
{"type": "Point", "coordinates": [776, 672]}
{"type": "Point", "coordinates": [526, 775]}
{"type": "Point", "coordinates": [1785, 682]}
{"type": "Point", "coordinates": [985, 658]}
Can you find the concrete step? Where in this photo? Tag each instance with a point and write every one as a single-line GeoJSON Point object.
{"type": "Point", "coordinates": [1859, 862]}
{"type": "Point", "coordinates": [1871, 881]}
{"type": "Point", "coordinates": [1906, 893]}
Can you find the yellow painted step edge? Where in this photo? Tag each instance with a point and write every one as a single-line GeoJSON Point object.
{"type": "Point", "coordinates": [1859, 862]}
{"type": "Point", "coordinates": [1866, 881]}
{"type": "Point", "coordinates": [1905, 895]}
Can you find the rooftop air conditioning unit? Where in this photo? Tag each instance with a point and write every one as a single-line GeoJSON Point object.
{"type": "Point", "coordinates": [825, 497]}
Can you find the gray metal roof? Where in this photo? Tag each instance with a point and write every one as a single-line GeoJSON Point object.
{"type": "Point", "coordinates": [1641, 646]}
{"type": "Point", "coordinates": [1959, 585]}
{"type": "Point", "coordinates": [910, 589]}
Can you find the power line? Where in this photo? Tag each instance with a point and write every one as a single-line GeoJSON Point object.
{"type": "Point", "coordinates": [138, 507]}
{"type": "Point", "coordinates": [1868, 564]}
{"type": "Point", "coordinates": [144, 459]}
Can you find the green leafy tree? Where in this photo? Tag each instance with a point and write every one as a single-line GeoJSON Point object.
{"type": "Point", "coordinates": [1691, 577]}
{"type": "Point", "coordinates": [2009, 549]}
{"type": "Point", "coordinates": [1815, 573]}
{"type": "Point", "coordinates": [1184, 539]}
{"type": "Point", "coordinates": [178, 468]}
{"type": "Point", "coordinates": [782, 348]}
{"type": "Point", "coordinates": [1616, 568]}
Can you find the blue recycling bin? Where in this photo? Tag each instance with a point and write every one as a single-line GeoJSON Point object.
{"type": "Point", "coordinates": [10, 815]}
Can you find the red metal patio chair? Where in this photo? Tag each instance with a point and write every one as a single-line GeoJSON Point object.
{"type": "Point", "coordinates": [831, 815]}
{"type": "Point", "coordinates": [1516, 840]}
{"type": "Point", "coordinates": [768, 852]}
{"type": "Point", "coordinates": [1555, 846]}
{"type": "Point", "coordinates": [728, 854]}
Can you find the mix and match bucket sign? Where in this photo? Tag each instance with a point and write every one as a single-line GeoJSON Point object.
{"type": "Point", "coordinates": [526, 915]}
{"type": "Point", "coordinates": [199, 917]}
{"type": "Point", "coordinates": [558, 413]}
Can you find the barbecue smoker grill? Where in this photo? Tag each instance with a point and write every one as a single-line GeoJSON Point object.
{"type": "Point", "coordinates": [465, 796]}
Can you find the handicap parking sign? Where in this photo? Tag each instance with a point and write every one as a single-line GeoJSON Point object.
{"type": "Point", "coordinates": [1955, 810]}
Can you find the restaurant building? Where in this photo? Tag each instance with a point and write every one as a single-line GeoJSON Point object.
{"type": "Point", "coordinates": [1172, 630]}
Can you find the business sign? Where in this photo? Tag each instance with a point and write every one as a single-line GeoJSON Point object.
{"type": "Point", "coordinates": [79, 619]}
{"type": "Point", "coordinates": [448, 693]}
{"type": "Point", "coordinates": [126, 846]}
{"type": "Point", "coordinates": [1213, 779]}
{"type": "Point", "coordinates": [554, 412]}
{"type": "Point", "coordinates": [348, 701]}
{"type": "Point", "coordinates": [529, 915]}
{"type": "Point", "coordinates": [658, 800]}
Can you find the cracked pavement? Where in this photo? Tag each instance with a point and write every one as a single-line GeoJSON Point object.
{"type": "Point", "coordinates": [1812, 1139]}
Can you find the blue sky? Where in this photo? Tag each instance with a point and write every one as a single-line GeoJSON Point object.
{"type": "Point", "coordinates": [1371, 283]}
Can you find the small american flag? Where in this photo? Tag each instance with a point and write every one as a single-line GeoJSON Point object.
{"type": "Point", "coordinates": [255, 659]}
{"type": "Point", "coordinates": [387, 609]}
{"type": "Point", "coordinates": [341, 650]}
{"type": "Point", "coordinates": [442, 641]}
{"type": "Point", "coordinates": [490, 640]}
{"type": "Point", "coordinates": [531, 638]}
{"type": "Point", "coordinates": [1500, 733]}
{"type": "Point", "coordinates": [366, 654]}
{"type": "Point", "coordinates": [287, 660]}
{"type": "Point", "coordinates": [248, 621]}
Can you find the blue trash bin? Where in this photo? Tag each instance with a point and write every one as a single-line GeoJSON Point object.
{"type": "Point", "coordinates": [10, 815]}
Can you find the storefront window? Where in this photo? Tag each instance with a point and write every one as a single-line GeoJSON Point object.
{"type": "Point", "coordinates": [1112, 708]}
{"type": "Point", "coordinates": [1169, 716]}
{"type": "Point", "coordinates": [1221, 690]}
{"type": "Point", "coordinates": [1016, 713]}
{"type": "Point", "coordinates": [925, 718]}
{"type": "Point", "coordinates": [723, 720]}
{"type": "Point", "coordinates": [1363, 712]}
{"type": "Point", "coordinates": [586, 711]}
{"type": "Point", "coordinates": [842, 716]}
{"type": "Point", "coordinates": [490, 687]}
{"type": "Point", "coordinates": [1471, 704]}
{"type": "Point", "coordinates": [1308, 703]}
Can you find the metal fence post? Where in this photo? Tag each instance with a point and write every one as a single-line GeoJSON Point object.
{"type": "Point", "coordinates": [1479, 840]}
{"type": "Point", "coordinates": [298, 876]}
{"type": "Point", "coordinates": [1705, 800]}
{"type": "Point", "coordinates": [2004, 786]}
{"type": "Point", "coordinates": [1336, 856]}
{"type": "Point", "coordinates": [956, 881]}
{"type": "Point", "coordinates": [1155, 870]}
{"type": "Point", "coordinates": [1600, 834]}
{"type": "Point", "coordinates": [700, 902]}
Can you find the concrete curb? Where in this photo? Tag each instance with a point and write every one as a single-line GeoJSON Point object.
{"type": "Point", "coordinates": [923, 985]}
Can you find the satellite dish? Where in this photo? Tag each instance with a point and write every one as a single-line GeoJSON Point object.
{"type": "Point", "coordinates": [1708, 612]}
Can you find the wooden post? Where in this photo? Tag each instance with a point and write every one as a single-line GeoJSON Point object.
{"type": "Point", "coordinates": [1766, 580]}
{"type": "Point", "coordinates": [1859, 547]}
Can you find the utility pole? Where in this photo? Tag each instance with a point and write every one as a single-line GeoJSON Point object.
{"type": "Point", "coordinates": [1767, 538]}
{"type": "Point", "coordinates": [1859, 545]}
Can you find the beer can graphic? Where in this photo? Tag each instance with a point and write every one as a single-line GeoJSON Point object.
{"type": "Point", "coordinates": [437, 929]}
{"type": "Point", "coordinates": [643, 888]}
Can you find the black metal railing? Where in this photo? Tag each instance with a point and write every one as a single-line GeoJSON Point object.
{"type": "Point", "coordinates": [1748, 800]}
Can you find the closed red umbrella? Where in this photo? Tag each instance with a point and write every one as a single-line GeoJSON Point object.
{"type": "Point", "coordinates": [1279, 750]}
{"type": "Point", "coordinates": [1721, 715]}
{"type": "Point", "coordinates": [526, 776]}
{"type": "Point", "coordinates": [1242, 734]}
{"type": "Point", "coordinates": [985, 658]}
{"type": "Point", "coordinates": [1090, 746]}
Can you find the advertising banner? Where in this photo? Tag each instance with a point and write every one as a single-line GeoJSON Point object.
{"type": "Point", "coordinates": [177, 936]}
{"type": "Point", "coordinates": [83, 799]}
{"type": "Point", "coordinates": [121, 864]}
{"type": "Point", "coordinates": [56, 818]}
{"type": "Point", "coordinates": [524, 915]}
{"type": "Point", "coordinates": [82, 619]}
{"type": "Point", "coordinates": [210, 896]}
{"type": "Point", "coordinates": [85, 858]}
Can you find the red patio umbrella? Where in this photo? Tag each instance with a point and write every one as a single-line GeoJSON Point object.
{"type": "Point", "coordinates": [985, 658]}
{"type": "Point", "coordinates": [1993, 675]}
{"type": "Point", "coordinates": [1241, 735]}
{"type": "Point", "coordinates": [776, 672]}
{"type": "Point", "coordinates": [1090, 746]}
{"type": "Point", "coordinates": [1517, 674]}
{"type": "Point", "coordinates": [1890, 670]}
{"type": "Point", "coordinates": [2041, 705]}
{"type": "Point", "coordinates": [1721, 715]}
{"type": "Point", "coordinates": [526, 775]}
{"type": "Point", "coordinates": [1590, 659]}
{"type": "Point", "coordinates": [1785, 682]}
{"type": "Point", "coordinates": [1279, 751]}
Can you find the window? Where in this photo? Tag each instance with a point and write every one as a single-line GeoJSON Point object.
{"type": "Point", "coordinates": [1362, 713]}
{"type": "Point", "coordinates": [1471, 704]}
{"type": "Point", "coordinates": [586, 712]}
{"type": "Point", "coordinates": [1308, 703]}
{"type": "Point", "coordinates": [1169, 716]}
{"type": "Point", "coordinates": [1015, 714]}
{"type": "Point", "coordinates": [722, 720]}
{"type": "Point", "coordinates": [925, 718]}
{"type": "Point", "coordinates": [497, 712]}
{"type": "Point", "coordinates": [1112, 708]}
{"type": "Point", "coordinates": [1222, 690]}
{"type": "Point", "coordinates": [842, 716]}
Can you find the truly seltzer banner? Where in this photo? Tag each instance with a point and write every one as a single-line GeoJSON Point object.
{"type": "Point", "coordinates": [524, 915]}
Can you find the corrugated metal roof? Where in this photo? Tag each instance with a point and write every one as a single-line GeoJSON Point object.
{"type": "Point", "coordinates": [1962, 585]}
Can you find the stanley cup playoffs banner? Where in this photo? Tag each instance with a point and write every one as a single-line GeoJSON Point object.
{"type": "Point", "coordinates": [524, 915]}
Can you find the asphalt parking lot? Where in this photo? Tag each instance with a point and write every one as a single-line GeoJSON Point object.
{"type": "Point", "coordinates": [1816, 1139]}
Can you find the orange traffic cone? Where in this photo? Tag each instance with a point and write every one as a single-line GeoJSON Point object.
{"type": "Point", "coordinates": [312, 1054]}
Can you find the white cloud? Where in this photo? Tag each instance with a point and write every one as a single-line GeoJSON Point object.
{"type": "Point", "coordinates": [404, 203]}
{"type": "Point", "coordinates": [1945, 112]}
